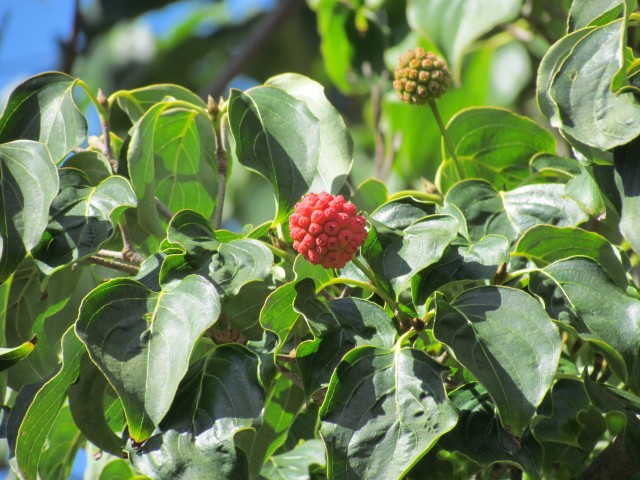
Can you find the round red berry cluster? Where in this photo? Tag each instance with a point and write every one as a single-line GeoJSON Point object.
{"type": "Point", "coordinates": [326, 230]}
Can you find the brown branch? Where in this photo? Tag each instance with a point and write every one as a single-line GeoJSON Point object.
{"type": "Point", "coordinates": [113, 264]}
{"type": "Point", "coordinates": [70, 46]}
{"type": "Point", "coordinates": [252, 45]}
{"type": "Point", "coordinates": [106, 131]}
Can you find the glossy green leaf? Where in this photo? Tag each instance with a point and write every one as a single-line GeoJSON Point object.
{"type": "Point", "coordinates": [402, 212]}
{"type": "Point", "coordinates": [480, 436]}
{"type": "Point", "coordinates": [138, 101]}
{"type": "Point", "coordinates": [493, 144]}
{"type": "Point", "coordinates": [577, 291]}
{"type": "Point", "coordinates": [489, 211]}
{"type": "Point", "coordinates": [455, 24]}
{"type": "Point", "coordinates": [370, 194]}
{"type": "Point", "coordinates": [627, 177]}
{"type": "Point", "coordinates": [83, 219]}
{"type": "Point", "coordinates": [476, 261]}
{"type": "Point", "coordinates": [42, 109]}
{"type": "Point", "coordinates": [595, 13]}
{"type": "Point", "coordinates": [172, 156]}
{"type": "Point", "coordinates": [63, 443]}
{"type": "Point", "coordinates": [397, 255]}
{"type": "Point", "coordinates": [24, 199]}
{"type": "Point", "coordinates": [545, 244]}
{"type": "Point", "coordinates": [277, 136]}
{"type": "Point", "coordinates": [338, 326]}
{"type": "Point", "coordinates": [295, 464]}
{"type": "Point", "coordinates": [142, 340]}
{"type": "Point", "coordinates": [507, 341]}
{"type": "Point", "coordinates": [281, 408]}
{"type": "Point", "coordinates": [392, 399]}
{"type": "Point", "coordinates": [580, 87]}
{"type": "Point", "coordinates": [219, 396]}
{"type": "Point", "coordinates": [41, 413]}
{"type": "Point", "coordinates": [336, 146]}
{"type": "Point", "coordinates": [278, 314]}
{"type": "Point", "coordinates": [10, 356]}
{"type": "Point", "coordinates": [95, 407]}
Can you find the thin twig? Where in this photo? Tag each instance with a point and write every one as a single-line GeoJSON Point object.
{"type": "Point", "coordinates": [70, 46]}
{"type": "Point", "coordinates": [104, 124]}
{"type": "Point", "coordinates": [222, 160]}
{"type": "Point", "coordinates": [113, 264]}
{"type": "Point", "coordinates": [128, 250]}
{"type": "Point", "coordinates": [163, 210]}
{"type": "Point", "coordinates": [252, 45]}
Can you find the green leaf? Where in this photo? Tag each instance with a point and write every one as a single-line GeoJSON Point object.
{"type": "Point", "coordinates": [476, 261]}
{"type": "Point", "coordinates": [63, 444]}
{"type": "Point", "coordinates": [507, 341]}
{"type": "Point", "coordinates": [580, 87]}
{"type": "Point", "coordinates": [392, 399]}
{"type": "Point", "coordinates": [281, 409]}
{"type": "Point", "coordinates": [171, 156]}
{"type": "Point", "coordinates": [10, 356]}
{"type": "Point", "coordinates": [338, 326]}
{"type": "Point", "coordinates": [627, 177]}
{"type": "Point", "coordinates": [455, 24]}
{"type": "Point", "coordinates": [219, 396]}
{"type": "Point", "coordinates": [93, 164]}
{"type": "Point", "coordinates": [295, 464]}
{"type": "Point", "coordinates": [370, 194]}
{"type": "Point", "coordinates": [24, 200]}
{"type": "Point", "coordinates": [142, 340]}
{"type": "Point", "coordinates": [493, 144]}
{"type": "Point", "coordinates": [577, 291]}
{"type": "Point", "coordinates": [277, 136]}
{"type": "Point", "coordinates": [545, 244]}
{"type": "Point", "coordinates": [41, 414]}
{"type": "Point", "coordinates": [480, 436]}
{"type": "Point", "coordinates": [336, 146]}
{"type": "Point", "coordinates": [42, 109]}
{"type": "Point", "coordinates": [83, 219]}
{"type": "Point", "coordinates": [596, 13]}
{"type": "Point", "coordinates": [585, 191]}
{"type": "Point", "coordinates": [96, 408]}
{"type": "Point", "coordinates": [559, 414]}
{"type": "Point", "coordinates": [397, 255]}
{"type": "Point", "coordinates": [137, 102]}
{"type": "Point", "coordinates": [402, 212]}
{"type": "Point", "coordinates": [278, 314]}
{"type": "Point", "coordinates": [510, 214]}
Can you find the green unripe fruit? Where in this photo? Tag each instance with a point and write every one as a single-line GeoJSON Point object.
{"type": "Point", "coordinates": [421, 76]}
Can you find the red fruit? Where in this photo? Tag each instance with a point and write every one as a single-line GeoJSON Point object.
{"type": "Point", "coordinates": [326, 229]}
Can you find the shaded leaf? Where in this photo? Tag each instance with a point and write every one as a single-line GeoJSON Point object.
{"type": "Point", "coordinates": [83, 219]}
{"type": "Point", "coordinates": [40, 416]}
{"type": "Point", "coordinates": [402, 212]}
{"type": "Point", "coordinates": [24, 199]}
{"type": "Point", "coordinates": [479, 435]}
{"type": "Point", "coordinates": [278, 314]}
{"type": "Point", "coordinates": [397, 255]}
{"type": "Point", "coordinates": [336, 146]}
{"type": "Point", "coordinates": [507, 341]}
{"type": "Point", "coordinates": [63, 443]}
{"type": "Point", "coordinates": [142, 340]}
{"type": "Point", "coordinates": [627, 177]}
{"type": "Point", "coordinates": [577, 291]}
{"type": "Point", "coordinates": [277, 136]}
{"type": "Point", "coordinates": [391, 398]}
{"type": "Point", "coordinates": [219, 396]}
{"type": "Point", "coordinates": [42, 109]}
{"type": "Point", "coordinates": [95, 408]}
{"type": "Point", "coordinates": [476, 261]}
{"type": "Point", "coordinates": [338, 326]}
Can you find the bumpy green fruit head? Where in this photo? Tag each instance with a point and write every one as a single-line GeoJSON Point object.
{"type": "Point", "coordinates": [421, 76]}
